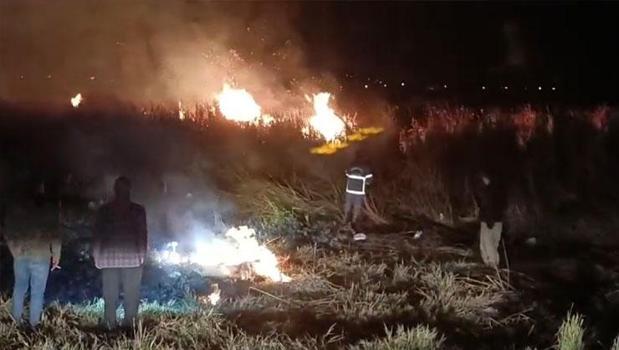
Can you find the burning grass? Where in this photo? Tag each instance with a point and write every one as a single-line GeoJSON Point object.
{"type": "Point", "coordinates": [393, 291]}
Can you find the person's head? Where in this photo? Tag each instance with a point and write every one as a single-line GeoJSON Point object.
{"type": "Point", "coordinates": [361, 158]}
{"type": "Point", "coordinates": [122, 188]}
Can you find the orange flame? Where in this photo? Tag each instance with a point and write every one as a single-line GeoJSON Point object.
{"type": "Point", "coordinates": [76, 100]}
{"type": "Point", "coordinates": [325, 121]}
{"type": "Point", "coordinates": [238, 105]}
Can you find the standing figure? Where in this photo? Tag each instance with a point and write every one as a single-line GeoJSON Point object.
{"type": "Point", "coordinates": [119, 249]}
{"type": "Point", "coordinates": [32, 234]}
{"type": "Point", "coordinates": [491, 199]}
{"type": "Point", "coordinates": [358, 178]}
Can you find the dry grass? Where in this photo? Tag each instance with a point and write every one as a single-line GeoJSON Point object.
{"type": "Point", "coordinates": [345, 288]}
{"type": "Point", "coordinates": [418, 338]}
{"type": "Point", "coordinates": [281, 202]}
{"type": "Point", "coordinates": [615, 344]}
{"type": "Point", "coordinates": [571, 334]}
{"type": "Point", "coordinates": [420, 191]}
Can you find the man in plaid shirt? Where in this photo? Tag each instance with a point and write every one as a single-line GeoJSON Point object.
{"type": "Point", "coordinates": [119, 249]}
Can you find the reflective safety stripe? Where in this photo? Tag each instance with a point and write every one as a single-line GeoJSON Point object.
{"type": "Point", "coordinates": [358, 177]}
{"type": "Point", "coordinates": [363, 178]}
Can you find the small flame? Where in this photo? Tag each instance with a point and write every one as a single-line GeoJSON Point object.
{"type": "Point", "coordinates": [76, 100]}
{"type": "Point", "coordinates": [215, 296]}
{"type": "Point", "coordinates": [238, 105]}
{"type": "Point", "coordinates": [324, 120]}
{"type": "Point", "coordinates": [181, 113]}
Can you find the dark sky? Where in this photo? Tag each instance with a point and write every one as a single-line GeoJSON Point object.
{"type": "Point", "coordinates": [171, 49]}
{"type": "Point", "coordinates": [571, 44]}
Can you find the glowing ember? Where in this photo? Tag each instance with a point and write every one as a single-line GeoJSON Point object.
{"type": "Point", "coordinates": [267, 119]}
{"type": "Point", "coordinates": [238, 105]}
{"type": "Point", "coordinates": [76, 100]}
{"type": "Point", "coordinates": [324, 120]}
{"type": "Point", "coordinates": [181, 113]}
{"type": "Point", "coordinates": [237, 254]}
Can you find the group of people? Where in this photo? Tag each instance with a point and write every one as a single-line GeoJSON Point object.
{"type": "Point", "coordinates": [489, 195]}
{"type": "Point", "coordinates": [32, 232]}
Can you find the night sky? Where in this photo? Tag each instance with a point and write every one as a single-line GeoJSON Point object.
{"type": "Point", "coordinates": [571, 45]}
{"type": "Point", "coordinates": [157, 48]}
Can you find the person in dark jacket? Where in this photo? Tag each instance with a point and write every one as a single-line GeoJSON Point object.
{"type": "Point", "coordinates": [357, 180]}
{"type": "Point", "coordinates": [119, 250]}
{"type": "Point", "coordinates": [491, 200]}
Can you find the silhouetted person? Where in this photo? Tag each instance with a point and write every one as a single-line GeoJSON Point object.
{"type": "Point", "coordinates": [119, 249]}
{"type": "Point", "coordinates": [32, 234]}
{"type": "Point", "coordinates": [358, 178]}
{"type": "Point", "coordinates": [491, 199]}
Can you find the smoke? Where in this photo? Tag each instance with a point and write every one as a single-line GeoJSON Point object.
{"type": "Point", "coordinates": [515, 49]}
{"type": "Point", "coordinates": [151, 51]}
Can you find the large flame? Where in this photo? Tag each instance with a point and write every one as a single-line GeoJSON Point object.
{"type": "Point", "coordinates": [76, 100]}
{"type": "Point", "coordinates": [238, 105]}
{"type": "Point", "coordinates": [324, 120]}
{"type": "Point", "coordinates": [237, 250]}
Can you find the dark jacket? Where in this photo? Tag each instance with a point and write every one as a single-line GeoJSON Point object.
{"type": "Point", "coordinates": [32, 230]}
{"type": "Point", "coordinates": [121, 229]}
{"type": "Point", "coordinates": [491, 199]}
{"type": "Point", "coordinates": [357, 179]}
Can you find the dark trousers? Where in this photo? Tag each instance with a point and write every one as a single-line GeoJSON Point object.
{"type": "Point", "coordinates": [353, 206]}
{"type": "Point", "coordinates": [130, 279]}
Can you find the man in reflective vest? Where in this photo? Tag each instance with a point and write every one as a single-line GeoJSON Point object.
{"type": "Point", "coordinates": [358, 178]}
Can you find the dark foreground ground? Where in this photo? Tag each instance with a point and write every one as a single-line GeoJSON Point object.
{"type": "Point", "coordinates": [351, 292]}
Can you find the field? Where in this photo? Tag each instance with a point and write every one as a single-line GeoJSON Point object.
{"type": "Point", "coordinates": [558, 285]}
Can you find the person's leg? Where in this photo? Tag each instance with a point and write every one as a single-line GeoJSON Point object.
{"type": "Point", "coordinates": [348, 203]}
{"type": "Point", "coordinates": [495, 235]}
{"type": "Point", "coordinates": [110, 279]}
{"type": "Point", "coordinates": [131, 281]}
{"type": "Point", "coordinates": [39, 271]}
{"type": "Point", "coordinates": [483, 242]}
{"type": "Point", "coordinates": [358, 203]}
{"type": "Point", "coordinates": [22, 279]}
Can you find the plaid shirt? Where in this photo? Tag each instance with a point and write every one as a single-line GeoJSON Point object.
{"type": "Point", "coordinates": [120, 237]}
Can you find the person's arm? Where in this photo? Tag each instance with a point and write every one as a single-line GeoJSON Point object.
{"type": "Point", "coordinates": [142, 232]}
{"type": "Point", "coordinates": [56, 247]}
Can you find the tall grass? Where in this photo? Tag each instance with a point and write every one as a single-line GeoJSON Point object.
{"type": "Point", "coordinates": [571, 333]}
{"type": "Point", "coordinates": [419, 338]}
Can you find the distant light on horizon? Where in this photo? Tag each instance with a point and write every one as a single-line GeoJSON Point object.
{"type": "Point", "coordinates": [506, 87]}
{"type": "Point", "coordinates": [539, 88]}
{"type": "Point", "coordinates": [403, 84]}
{"type": "Point", "coordinates": [445, 86]}
{"type": "Point", "coordinates": [553, 88]}
{"type": "Point", "coordinates": [366, 86]}
{"type": "Point", "coordinates": [483, 87]}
